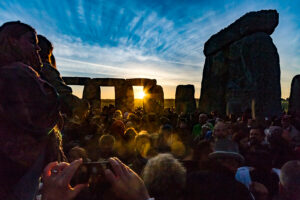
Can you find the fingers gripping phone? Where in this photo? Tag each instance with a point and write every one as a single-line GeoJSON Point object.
{"type": "Point", "coordinates": [91, 172]}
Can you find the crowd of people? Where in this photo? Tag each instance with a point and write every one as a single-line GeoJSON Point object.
{"type": "Point", "coordinates": [49, 136]}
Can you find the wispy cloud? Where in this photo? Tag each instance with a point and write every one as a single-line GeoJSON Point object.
{"type": "Point", "coordinates": [151, 39]}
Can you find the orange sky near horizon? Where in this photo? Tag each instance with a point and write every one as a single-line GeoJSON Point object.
{"type": "Point", "coordinates": [169, 91]}
{"type": "Point", "coordinates": [109, 92]}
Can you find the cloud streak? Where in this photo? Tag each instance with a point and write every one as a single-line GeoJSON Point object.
{"type": "Point", "coordinates": [150, 39]}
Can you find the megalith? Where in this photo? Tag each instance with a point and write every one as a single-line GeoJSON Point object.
{"type": "Point", "coordinates": [154, 100]}
{"type": "Point", "coordinates": [241, 69]}
{"type": "Point", "coordinates": [92, 93]}
{"type": "Point", "coordinates": [185, 99]}
{"type": "Point", "coordinates": [294, 100]}
{"type": "Point", "coordinates": [124, 100]}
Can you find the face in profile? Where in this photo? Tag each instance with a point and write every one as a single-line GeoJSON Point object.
{"type": "Point", "coordinates": [27, 47]}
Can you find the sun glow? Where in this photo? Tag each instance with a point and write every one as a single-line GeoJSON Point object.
{"type": "Point", "coordinates": [139, 92]}
{"type": "Point", "coordinates": [140, 95]}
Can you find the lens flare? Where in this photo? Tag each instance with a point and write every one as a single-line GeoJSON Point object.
{"type": "Point", "coordinates": [141, 95]}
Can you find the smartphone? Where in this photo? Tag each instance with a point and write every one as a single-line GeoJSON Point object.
{"type": "Point", "coordinates": [96, 168]}
{"type": "Point", "coordinates": [90, 172]}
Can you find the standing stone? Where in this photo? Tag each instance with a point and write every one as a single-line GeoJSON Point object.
{"type": "Point", "coordinates": [154, 100]}
{"type": "Point", "coordinates": [294, 101]}
{"type": "Point", "coordinates": [75, 80]}
{"type": "Point", "coordinates": [91, 90]}
{"type": "Point", "coordinates": [124, 100]}
{"type": "Point", "coordinates": [262, 21]}
{"type": "Point", "coordinates": [185, 99]}
{"type": "Point", "coordinates": [242, 69]}
{"type": "Point", "coordinates": [92, 93]}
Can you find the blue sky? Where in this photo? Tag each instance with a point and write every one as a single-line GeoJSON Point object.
{"type": "Point", "coordinates": [148, 39]}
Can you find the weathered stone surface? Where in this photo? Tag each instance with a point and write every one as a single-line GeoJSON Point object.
{"type": "Point", "coordinates": [92, 93]}
{"type": "Point", "coordinates": [124, 97]}
{"type": "Point", "coordinates": [109, 81]}
{"type": "Point", "coordinates": [75, 80]}
{"type": "Point", "coordinates": [185, 99]}
{"type": "Point", "coordinates": [91, 90]}
{"type": "Point", "coordinates": [244, 74]}
{"type": "Point", "coordinates": [252, 22]}
{"type": "Point", "coordinates": [214, 80]}
{"type": "Point", "coordinates": [294, 101]}
{"type": "Point", "coordinates": [154, 100]}
{"type": "Point", "coordinates": [141, 81]}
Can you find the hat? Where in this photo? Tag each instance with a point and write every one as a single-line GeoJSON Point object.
{"type": "Point", "coordinates": [226, 148]}
{"type": "Point", "coordinates": [227, 154]}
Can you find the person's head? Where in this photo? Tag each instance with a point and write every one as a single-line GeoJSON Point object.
{"type": "Point", "coordinates": [250, 122]}
{"type": "Point", "coordinates": [164, 177]}
{"type": "Point", "coordinates": [117, 129]}
{"type": "Point", "coordinates": [129, 142]}
{"type": "Point", "coordinates": [286, 121]}
{"type": "Point", "coordinates": [165, 131]}
{"type": "Point", "coordinates": [118, 115]}
{"type": "Point", "coordinates": [19, 43]}
{"type": "Point", "coordinates": [226, 153]}
{"type": "Point", "coordinates": [241, 137]}
{"type": "Point", "coordinates": [130, 135]}
{"type": "Point", "coordinates": [202, 150]}
{"type": "Point", "coordinates": [202, 118]}
{"type": "Point", "coordinates": [46, 48]}
{"type": "Point", "coordinates": [80, 111]}
{"type": "Point", "coordinates": [257, 135]}
{"type": "Point", "coordinates": [276, 139]}
{"type": "Point", "coordinates": [106, 145]}
{"type": "Point", "coordinates": [183, 121]}
{"type": "Point", "coordinates": [164, 120]}
{"type": "Point", "coordinates": [143, 143]}
{"type": "Point", "coordinates": [76, 153]}
{"type": "Point", "coordinates": [220, 130]}
{"type": "Point", "coordinates": [289, 186]}
{"type": "Point", "coordinates": [129, 124]}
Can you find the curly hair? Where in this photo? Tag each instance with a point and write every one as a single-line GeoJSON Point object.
{"type": "Point", "coordinates": [164, 177]}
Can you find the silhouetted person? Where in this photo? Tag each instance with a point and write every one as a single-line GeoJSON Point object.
{"type": "Point", "coordinates": [289, 186]}
{"type": "Point", "coordinates": [49, 72]}
{"type": "Point", "coordinates": [29, 114]}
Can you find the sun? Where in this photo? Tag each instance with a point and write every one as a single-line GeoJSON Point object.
{"type": "Point", "coordinates": [141, 95]}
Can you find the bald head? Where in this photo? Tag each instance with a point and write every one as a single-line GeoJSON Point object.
{"type": "Point", "coordinates": [220, 130]}
{"type": "Point", "coordinates": [202, 118]}
{"type": "Point", "coordinates": [290, 179]}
